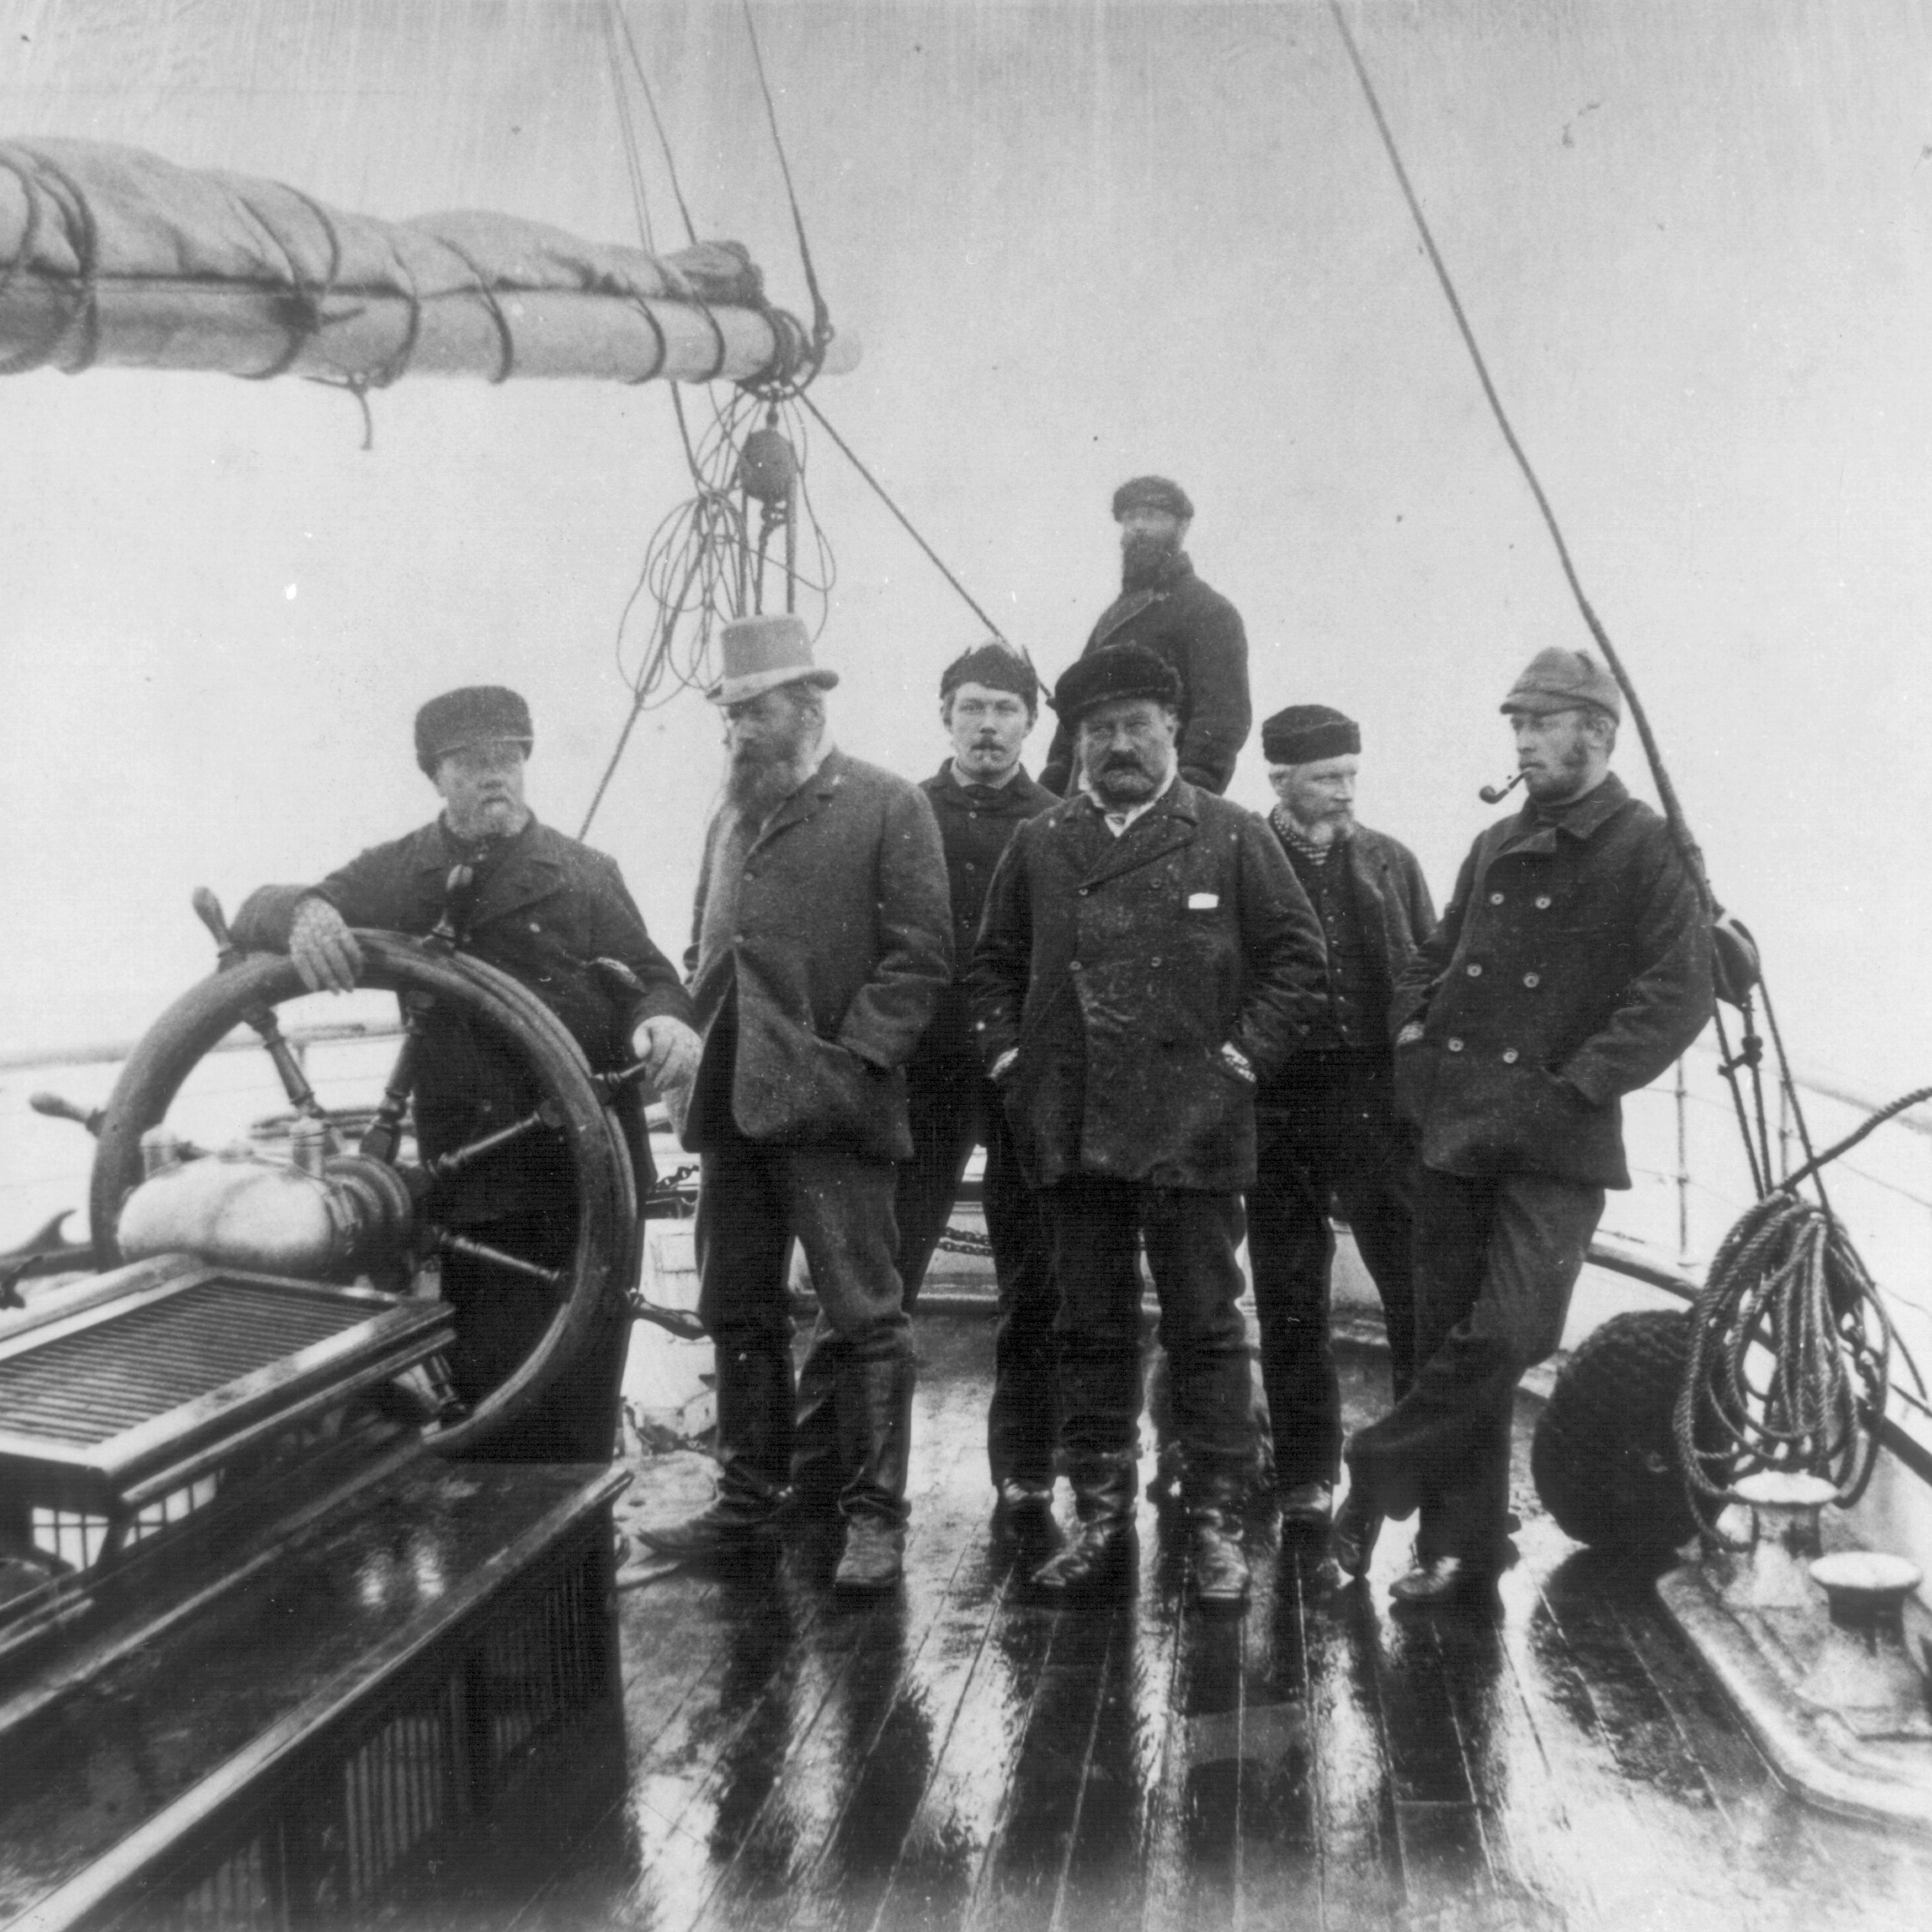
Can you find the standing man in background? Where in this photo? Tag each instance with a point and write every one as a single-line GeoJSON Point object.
{"type": "Point", "coordinates": [1326, 1127]}
{"type": "Point", "coordinates": [1572, 966]}
{"type": "Point", "coordinates": [822, 945]}
{"type": "Point", "coordinates": [989, 698]}
{"type": "Point", "coordinates": [1164, 607]}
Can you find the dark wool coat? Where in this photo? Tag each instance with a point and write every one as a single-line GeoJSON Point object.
{"type": "Point", "coordinates": [1119, 968]}
{"type": "Point", "coordinates": [1572, 966]}
{"type": "Point", "coordinates": [1397, 912]}
{"type": "Point", "coordinates": [973, 835]}
{"type": "Point", "coordinates": [840, 947]}
{"type": "Point", "coordinates": [1199, 633]}
{"type": "Point", "coordinates": [542, 913]}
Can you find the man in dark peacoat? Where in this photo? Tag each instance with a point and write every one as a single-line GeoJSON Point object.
{"type": "Point", "coordinates": [1328, 1128]}
{"type": "Point", "coordinates": [1165, 608]}
{"type": "Point", "coordinates": [1145, 954]}
{"type": "Point", "coordinates": [822, 942]}
{"type": "Point", "coordinates": [543, 908]}
{"type": "Point", "coordinates": [1572, 966]}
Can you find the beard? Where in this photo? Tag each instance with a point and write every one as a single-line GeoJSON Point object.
{"type": "Point", "coordinates": [1326, 831]}
{"type": "Point", "coordinates": [1124, 780]}
{"type": "Point", "coordinates": [763, 774]}
{"type": "Point", "coordinates": [1144, 555]}
{"type": "Point", "coordinates": [1560, 786]}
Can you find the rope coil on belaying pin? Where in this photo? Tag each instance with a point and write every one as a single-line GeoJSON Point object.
{"type": "Point", "coordinates": [1791, 1348]}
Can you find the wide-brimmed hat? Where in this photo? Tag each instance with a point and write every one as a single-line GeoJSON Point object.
{"type": "Point", "coordinates": [476, 715]}
{"type": "Point", "coordinates": [1120, 671]}
{"type": "Point", "coordinates": [1305, 734]}
{"type": "Point", "coordinates": [759, 654]}
{"type": "Point", "coordinates": [1556, 680]}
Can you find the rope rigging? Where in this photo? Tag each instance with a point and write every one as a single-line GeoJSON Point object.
{"type": "Point", "coordinates": [1787, 1281]}
{"type": "Point", "coordinates": [704, 564]}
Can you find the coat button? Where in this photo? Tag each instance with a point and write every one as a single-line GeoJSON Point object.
{"type": "Point", "coordinates": [1072, 965]}
{"type": "Point", "coordinates": [1532, 978]}
{"type": "Point", "coordinates": [1454, 1045]}
{"type": "Point", "coordinates": [1496, 898]}
{"type": "Point", "coordinates": [1543, 902]}
{"type": "Point", "coordinates": [1509, 1056]}
{"type": "Point", "coordinates": [1474, 969]}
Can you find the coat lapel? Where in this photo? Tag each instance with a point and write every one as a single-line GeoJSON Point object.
{"type": "Point", "coordinates": [1122, 610]}
{"type": "Point", "coordinates": [804, 803]}
{"type": "Point", "coordinates": [1170, 825]}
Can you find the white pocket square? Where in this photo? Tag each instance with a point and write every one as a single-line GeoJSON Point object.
{"type": "Point", "coordinates": [1203, 902]}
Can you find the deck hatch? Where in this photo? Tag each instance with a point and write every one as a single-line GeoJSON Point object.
{"type": "Point", "coordinates": [85, 1388]}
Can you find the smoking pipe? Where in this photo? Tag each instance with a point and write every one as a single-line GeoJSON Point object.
{"type": "Point", "coordinates": [1495, 794]}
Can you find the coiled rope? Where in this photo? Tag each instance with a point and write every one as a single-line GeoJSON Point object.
{"type": "Point", "coordinates": [1791, 1348]}
{"type": "Point", "coordinates": [1787, 1284]}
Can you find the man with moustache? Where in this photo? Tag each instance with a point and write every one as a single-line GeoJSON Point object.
{"type": "Point", "coordinates": [1145, 957]}
{"type": "Point", "coordinates": [1572, 966]}
{"type": "Point", "coordinates": [989, 697]}
{"type": "Point", "coordinates": [822, 942]}
{"type": "Point", "coordinates": [553, 914]}
{"type": "Point", "coordinates": [1164, 607]}
{"type": "Point", "coordinates": [1328, 1127]}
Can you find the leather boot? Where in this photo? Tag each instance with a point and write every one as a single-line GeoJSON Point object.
{"type": "Point", "coordinates": [875, 1396]}
{"type": "Point", "coordinates": [1219, 1565]}
{"type": "Point", "coordinates": [874, 1558]}
{"type": "Point", "coordinates": [754, 1404]}
{"type": "Point", "coordinates": [1102, 1544]}
{"type": "Point", "coordinates": [1216, 1559]}
{"type": "Point", "coordinates": [822, 1457]}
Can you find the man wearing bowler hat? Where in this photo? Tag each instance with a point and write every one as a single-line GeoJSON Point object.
{"type": "Point", "coordinates": [1328, 1129]}
{"type": "Point", "coordinates": [556, 917]}
{"type": "Point", "coordinates": [822, 942]}
{"type": "Point", "coordinates": [1572, 966]}
{"type": "Point", "coordinates": [1165, 608]}
{"type": "Point", "coordinates": [1145, 958]}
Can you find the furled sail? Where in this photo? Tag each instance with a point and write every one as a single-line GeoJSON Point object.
{"type": "Point", "coordinates": [112, 255]}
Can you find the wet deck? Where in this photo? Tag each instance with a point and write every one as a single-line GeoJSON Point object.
{"type": "Point", "coordinates": [961, 1757]}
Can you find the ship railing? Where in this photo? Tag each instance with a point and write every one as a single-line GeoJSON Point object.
{"type": "Point", "coordinates": [1690, 1180]}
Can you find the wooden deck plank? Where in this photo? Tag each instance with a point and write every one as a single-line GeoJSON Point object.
{"type": "Point", "coordinates": [966, 1759]}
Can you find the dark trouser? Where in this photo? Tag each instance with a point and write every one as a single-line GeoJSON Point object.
{"type": "Point", "coordinates": [501, 1316]}
{"type": "Point", "coordinates": [1191, 1237]}
{"type": "Point", "coordinates": [1495, 1260]}
{"type": "Point", "coordinates": [953, 1107]}
{"type": "Point", "coordinates": [754, 1197]}
{"type": "Point", "coordinates": [1328, 1134]}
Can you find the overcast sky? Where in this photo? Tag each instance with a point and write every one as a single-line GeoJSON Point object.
{"type": "Point", "coordinates": [1078, 242]}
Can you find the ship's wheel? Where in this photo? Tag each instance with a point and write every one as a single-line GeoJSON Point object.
{"type": "Point", "coordinates": [572, 1105]}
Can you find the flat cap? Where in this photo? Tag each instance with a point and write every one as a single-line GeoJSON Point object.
{"type": "Point", "coordinates": [1122, 671]}
{"type": "Point", "coordinates": [1151, 493]}
{"type": "Point", "coordinates": [1556, 680]}
{"type": "Point", "coordinates": [998, 666]}
{"type": "Point", "coordinates": [472, 715]}
{"type": "Point", "coordinates": [1305, 734]}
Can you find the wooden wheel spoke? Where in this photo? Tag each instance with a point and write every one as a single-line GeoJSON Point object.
{"type": "Point", "coordinates": [446, 1241]}
{"type": "Point", "coordinates": [460, 1160]}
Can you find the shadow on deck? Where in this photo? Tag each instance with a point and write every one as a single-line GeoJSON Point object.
{"type": "Point", "coordinates": [961, 1756]}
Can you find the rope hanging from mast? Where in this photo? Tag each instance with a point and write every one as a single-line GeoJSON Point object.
{"type": "Point", "coordinates": [1790, 1365]}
